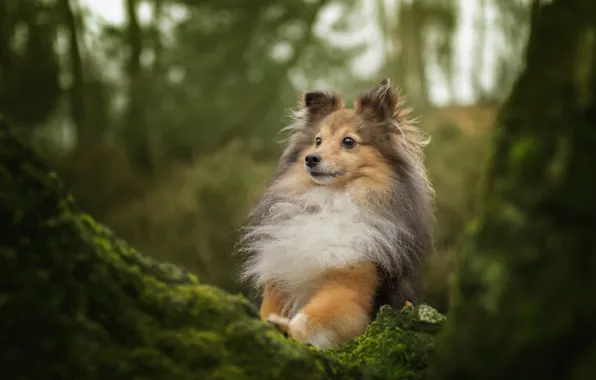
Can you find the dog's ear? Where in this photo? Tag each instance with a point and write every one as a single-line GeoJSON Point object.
{"type": "Point", "coordinates": [380, 103]}
{"type": "Point", "coordinates": [318, 104]}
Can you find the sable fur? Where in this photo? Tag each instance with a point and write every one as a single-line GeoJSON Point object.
{"type": "Point", "coordinates": [295, 236]}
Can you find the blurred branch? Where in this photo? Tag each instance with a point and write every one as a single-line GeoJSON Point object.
{"type": "Point", "coordinates": [254, 112]}
{"type": "Point", "coordinates": [77, 90]}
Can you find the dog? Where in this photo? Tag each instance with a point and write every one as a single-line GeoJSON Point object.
{"type": "Point", "coordinates": [345, 222]}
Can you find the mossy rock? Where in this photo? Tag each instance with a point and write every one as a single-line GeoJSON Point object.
{"type": "Point", "coordinates": [76, 302]}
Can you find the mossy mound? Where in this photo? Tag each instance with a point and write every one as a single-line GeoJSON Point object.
{"type": "Point", "coordinates": [77, 303]}
{"type": "Point", "coordinates": [397, 345]}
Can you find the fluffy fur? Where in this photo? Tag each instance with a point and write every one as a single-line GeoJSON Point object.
{"type": "Point", "coordinates": [364, 205]}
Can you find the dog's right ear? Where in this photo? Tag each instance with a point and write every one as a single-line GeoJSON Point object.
{"type": "Point", "coordinates": [380, 103]}
{"type": "Point", "coordinates": [318, 104]}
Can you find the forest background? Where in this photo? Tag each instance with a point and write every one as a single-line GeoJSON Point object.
{"type": "Point", "coordinates": [162, 116]}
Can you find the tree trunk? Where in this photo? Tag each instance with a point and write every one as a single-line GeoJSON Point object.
{"type": "Point", "coordinates": [157, 17]}
{"type": "Point", "coordinates": [386, 35]}
{"type": "Point", "coordinates": [480, 47]}
{"type": "Point", "coordinates": [526, 308]}
{"type": "Point", "coordinates": [410, 28]}
{"type": "Point", "coordinates": [4, 30]}
{"type": "Point", "coordinates": [136, 129]}
{"type": "Point", "coordinates": [77, 89]}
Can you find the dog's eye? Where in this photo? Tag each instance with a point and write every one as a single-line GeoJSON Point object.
{"type": "Point", "coordinates": [349, 142]}
{"type": "Point", "coordinates": [318, 141]}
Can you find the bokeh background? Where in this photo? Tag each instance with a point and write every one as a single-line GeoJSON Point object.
{"type": "Point", "coordinates": [162, 115]}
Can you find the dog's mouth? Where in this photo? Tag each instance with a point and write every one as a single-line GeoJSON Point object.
{"type": "Point", "coordinates": [319, 174]}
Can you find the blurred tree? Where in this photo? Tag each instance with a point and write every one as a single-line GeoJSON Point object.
{"type": "Point", "coordinates": [513, 22]}
{"type": "Point", "coordinates": [77, 91]}
{"type": "Point", "coordinates": [29, 65]}
{"type": "Point", "coordinates": [418, 25]}
{"type": "Point", "coordinates": [136, 129]}
{"type": "Point", "coordinates": [480, 49]}
{"type": "Point", "coordinates": [527, 285]}
{"type": "Point", "coordinates": [420, 34]}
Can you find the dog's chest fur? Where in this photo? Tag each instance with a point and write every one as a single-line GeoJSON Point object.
{"type": "Point", "coordinates": [303, 238]}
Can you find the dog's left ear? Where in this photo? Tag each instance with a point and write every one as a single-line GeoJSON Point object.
{"type": "Point", "coordinates": [319, 104]}
{"type": "Point", "coordinates": [380, 103]}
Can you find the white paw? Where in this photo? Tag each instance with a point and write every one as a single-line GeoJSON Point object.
{"type": "Point", "coordinates": [278, 320]}
{"type": "Point", "coordinates": [301, 328]}
{"type": "Point", "coordinates": [281, 323]}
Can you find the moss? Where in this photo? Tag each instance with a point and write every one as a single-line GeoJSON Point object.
{"type": "Point", "coordinates": [397, 345]}
{"type": "Point", "coordinates": [79, 303]}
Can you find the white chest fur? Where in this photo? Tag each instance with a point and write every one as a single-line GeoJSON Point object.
{"type": "Point", "coordinates": [305, 237]}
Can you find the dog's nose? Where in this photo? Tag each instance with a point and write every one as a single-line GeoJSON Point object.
{"type": "Point", "coordinates": [312, 160]}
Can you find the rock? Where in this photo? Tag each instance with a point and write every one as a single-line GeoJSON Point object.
{"type": "Point", "coordinates": [76, 302]}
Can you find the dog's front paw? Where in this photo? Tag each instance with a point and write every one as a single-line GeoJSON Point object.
{"type": "Point", "coordinates": [303, 329]}
{"type": "Point", "coordinates": [281, 323]}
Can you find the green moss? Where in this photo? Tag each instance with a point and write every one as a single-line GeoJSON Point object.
{"type": "Point", "coordinates": [397, 345]}
{"type": "Point", "coordinates": [79, 303]}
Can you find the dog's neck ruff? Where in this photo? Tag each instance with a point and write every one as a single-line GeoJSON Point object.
{"type": "Point", "coordinates": [301, 238]}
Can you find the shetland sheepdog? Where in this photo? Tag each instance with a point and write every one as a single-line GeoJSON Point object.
{"type": "Point", "coordinates": [344, 224]}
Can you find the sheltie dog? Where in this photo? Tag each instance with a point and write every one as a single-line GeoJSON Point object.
{"type": "Point", "coordinates": [344, 224]}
